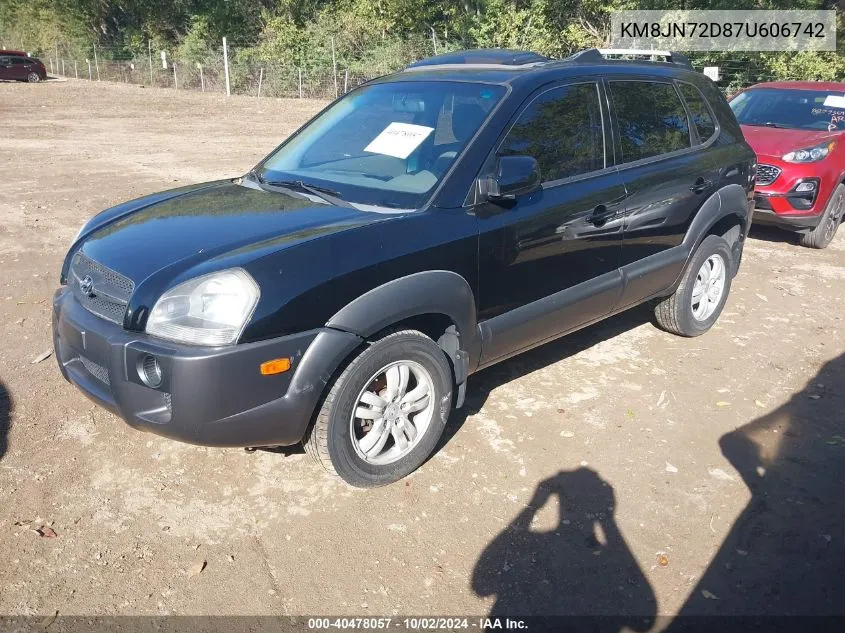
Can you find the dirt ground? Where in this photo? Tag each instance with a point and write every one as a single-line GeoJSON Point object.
{"type": "Point", "coordinates": [619, 470]}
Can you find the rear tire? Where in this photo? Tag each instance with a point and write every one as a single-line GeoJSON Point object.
{"type": "Point", "coordinates": [697, 303]}
{"type": "Point", "coordinates": [33, 78]}
{"type": "Point", "coordinates": [402, 386]}
{"type": "Point", "coordinates": [823, 234]}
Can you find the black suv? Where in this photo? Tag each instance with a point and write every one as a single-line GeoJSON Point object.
{"type": "Point", "coordinates": [422, 227]}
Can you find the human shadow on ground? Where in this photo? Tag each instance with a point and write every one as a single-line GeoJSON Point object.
{"type": "Point", "coordinates": [5, 418]}
{"type": "Point", "coordinates": [582, 567]}
{"type": "Point", "coordinates": [785, 552]}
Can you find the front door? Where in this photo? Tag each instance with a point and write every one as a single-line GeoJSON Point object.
{"type": "Point", "coordinates": [6, 68]}
{"type": "Point", "coordinates": [548, 262]}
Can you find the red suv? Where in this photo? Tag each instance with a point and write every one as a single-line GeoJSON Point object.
{"type": "Point", "coordinates": [797, 129]}
{"type": "Point", "coordinates": [19, 66]}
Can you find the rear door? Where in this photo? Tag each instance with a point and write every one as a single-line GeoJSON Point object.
{"type": "Point", "coordinates": [668, 175]}
{"type": "Point", "coordinates": [20, 68]}
{"type": "Point", "coordinates": [549, 261]}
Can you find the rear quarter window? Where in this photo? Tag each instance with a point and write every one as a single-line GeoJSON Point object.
{"type": "Point", "coordinates": [702, 120]}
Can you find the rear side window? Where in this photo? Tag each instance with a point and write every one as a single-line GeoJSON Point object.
{"type": "Point", "coordinates": [20, 61]}
{"type": "Point", "coordinates": [702, 120]}
{"type": "Point", "coordinates": [651, 117]}
{"type": "Point", "coordinates": [562, 129]}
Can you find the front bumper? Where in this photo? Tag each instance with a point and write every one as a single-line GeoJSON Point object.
{"type": "Point", "coordinates": [208, 396]}
{"type": "Point", "coordinates": [799, 223]}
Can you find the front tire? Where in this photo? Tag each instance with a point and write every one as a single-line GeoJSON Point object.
{"type": "Point", "coordinates": [823, 234]}
{"type": "Point", "coordinates": [33, 78]}
{"type": "Point", "coordinates": [697, 303]}
{"type": "Point", "coordinates": [385, 412]}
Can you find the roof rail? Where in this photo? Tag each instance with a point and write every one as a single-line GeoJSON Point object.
{"type": "Point", "coordinates": [482, 57]}
{"type": "Point", "coordinates": [601, 54]}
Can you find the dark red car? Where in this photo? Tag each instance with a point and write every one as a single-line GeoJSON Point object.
{"type": "Point", "coordinates": [19, 66]}
{"type": "Point", "coordinates": [797, 129]}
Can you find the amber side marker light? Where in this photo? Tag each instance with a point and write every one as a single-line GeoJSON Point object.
{"type": "Point", "coordinates": [275, 366]}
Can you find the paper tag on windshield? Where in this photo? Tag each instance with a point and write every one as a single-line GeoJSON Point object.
{"type": "Point", "coordinates": [399, 139]}
{"type": "Point", "coordinates": [835, 101]}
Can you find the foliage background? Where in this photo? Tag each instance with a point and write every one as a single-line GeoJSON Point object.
{"type": "Point", "coordinates": [370, 37]}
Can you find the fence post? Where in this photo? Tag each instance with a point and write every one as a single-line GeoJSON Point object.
{"type": "Point", "coordinates": [226, 67]}
{"type": "Point", "coordinates": [334, 69]}
{"type": "Point", "coordinates": [96, 63]}
{"type": "Point", "coordinates": [433, 39]}
{"type": "Point", "coordinates": [89, 68]}
{"type": "Point", "coordinates": [345, 80]}
{"type": "Point", "coordinates": [150, 53]}
{"type": "Point", "coordinates": [175, 81]}
{"type": "Point", "coordinates": [260, 78]}
{"type": "Point", "coordinates": [51, 65]}
{"type": "Point", "coordinates": [75, 69]}
{"type": "Point", "coordinates": [63, 68]}
{"type": "Point", "coordinates": [300, 82]}
{"type": "Point", "coordinates": [202, 79]}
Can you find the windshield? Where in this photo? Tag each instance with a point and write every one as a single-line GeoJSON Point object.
{"type": "Point", "coordinates": [387, 144]}
{"type": "Point", "coordinates": [797, 109]}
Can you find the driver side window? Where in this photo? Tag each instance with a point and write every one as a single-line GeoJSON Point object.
{"type": "Point", "coordinates": [563, 130]}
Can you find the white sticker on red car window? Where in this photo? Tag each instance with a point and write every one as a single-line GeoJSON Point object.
{"type": "Point", "coordinates": [835, 101]}
{"type": "Point", "coordinates": [399, 139]}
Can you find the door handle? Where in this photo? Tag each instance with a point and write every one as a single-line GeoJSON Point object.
{"type": "Point", "coordinates": [600, 215]}
{"type": "Point", "coordinates": [700, 184]}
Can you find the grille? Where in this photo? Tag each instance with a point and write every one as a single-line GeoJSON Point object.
{"type": "Point", "coordinates": [110, 292]}
{"type": "Point", "coordinates": [767, 174]}
{"type": "Point", "coordinates": [98, 371]}
{"type": "Point", "coordinates": [168, 401]}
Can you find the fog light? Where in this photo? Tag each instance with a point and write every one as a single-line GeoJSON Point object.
{"type": "Point", "coordinates": [149, 371]}
{"type": "Point", "coordinates": [805, 187]}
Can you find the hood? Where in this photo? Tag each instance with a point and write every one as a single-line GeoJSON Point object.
{"type": "Point", "coordinates": [771, 141]}
{"type": "Point", "coordinates": [192, 225]}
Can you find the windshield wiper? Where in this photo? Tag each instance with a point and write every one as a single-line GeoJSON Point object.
{"type": "Point", "coordinates": [329, 195]}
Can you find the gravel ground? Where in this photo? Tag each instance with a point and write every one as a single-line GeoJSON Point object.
{"type": "Point", "coordinates": [619, 470]}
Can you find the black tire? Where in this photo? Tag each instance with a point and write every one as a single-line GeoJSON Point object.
{"type": "Point", "coordinates": [33, 78]}
{"type": "Point", "coordinates": [824, 233]}
{"type": "Point", "coordinates": [675, 312]}
{"type": "Point", "coordinates": [329, 440]}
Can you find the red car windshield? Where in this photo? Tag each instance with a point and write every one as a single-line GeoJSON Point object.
{"type": "Point", "coordinates": [787, 108]}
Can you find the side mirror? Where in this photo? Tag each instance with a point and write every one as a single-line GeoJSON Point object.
{"type": "Point", "coordinates": [515, 175]}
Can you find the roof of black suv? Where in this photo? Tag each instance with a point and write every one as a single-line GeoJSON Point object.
{"type": "Point", "coordinates": [502, 66]}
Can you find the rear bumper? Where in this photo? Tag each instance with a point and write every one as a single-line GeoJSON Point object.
{"type": "Point", "coordinates": [208, 396]}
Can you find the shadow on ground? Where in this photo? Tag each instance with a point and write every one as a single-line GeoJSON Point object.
{"type": "Point", "coordinates": [784, 554]}
{"type": "Point", "coordinates": [581, 567]}
{"type": "Point", "coordinates": [767, 233]}
{"type": "Point", "coordinates": [5, 418]}
{"type": "Point", "coordinates": [481, 384]}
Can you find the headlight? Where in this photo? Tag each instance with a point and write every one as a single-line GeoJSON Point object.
{"type": "Point", "coordinates": [209, 310]}
{"type": "Point", "coordinates": [809, 155]}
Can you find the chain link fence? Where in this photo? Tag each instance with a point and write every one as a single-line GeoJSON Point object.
{"type": "Point", "coordinates": [313, 80]}
{"type": "Point", "coordinates": [246, 77]}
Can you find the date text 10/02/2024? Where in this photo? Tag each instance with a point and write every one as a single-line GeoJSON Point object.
{"type": "Point", "coordinates": [419, 624]}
